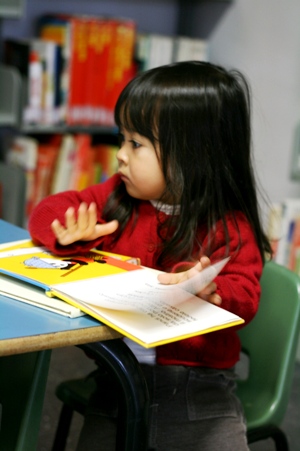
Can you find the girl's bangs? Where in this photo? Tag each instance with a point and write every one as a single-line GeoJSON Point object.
{"type": "Point", "coordinates": [138, 114]}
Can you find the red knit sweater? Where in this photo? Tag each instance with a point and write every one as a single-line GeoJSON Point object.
{"type": "Point", "coordinates": [238, 284]}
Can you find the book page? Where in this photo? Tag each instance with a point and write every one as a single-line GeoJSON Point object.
{"type": "Point", "coordinates": [157, 323]}
{"type": "Point", "coordinates": [137, 290]}
{"type": "Point", "coordinates": [40, 267]}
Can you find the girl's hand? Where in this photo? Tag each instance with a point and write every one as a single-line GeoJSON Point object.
{"type": "Point", "coordinates": [208, 293]}
{"type": "Point", "coordinates": [84, 227]}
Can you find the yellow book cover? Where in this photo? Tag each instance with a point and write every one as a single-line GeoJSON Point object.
{"type": "Point", "coordinates": [119, 292]}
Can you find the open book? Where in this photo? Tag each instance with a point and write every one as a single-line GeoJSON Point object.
{"type": "Point", "coordinates": [119, 292]}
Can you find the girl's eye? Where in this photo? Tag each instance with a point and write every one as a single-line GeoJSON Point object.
{"type": "Point", "coordinates": [135, 144]}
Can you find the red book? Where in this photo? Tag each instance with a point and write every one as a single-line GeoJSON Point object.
{"type": "Point", "coordinates": [45, 167]}
{"type": "Point", "coordinates": [101, 35]}
{"type": "Point", "coordinates": [77, 70]}
{"type": "Point", "coordinates": [83, 167]}
{"type": "Point", "coordinates": [121, 66]}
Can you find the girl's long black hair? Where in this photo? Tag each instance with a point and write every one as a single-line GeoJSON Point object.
{"type": "Point", "coordinates": [199, 116]}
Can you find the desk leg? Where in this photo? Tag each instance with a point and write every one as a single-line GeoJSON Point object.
{"type": "Point", "coordinates": [23, 381]}
{"type": "Point", "coordinates": [132, 432]}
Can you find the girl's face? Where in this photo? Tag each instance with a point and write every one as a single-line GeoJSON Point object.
{"type": "Point", "coordinates": [139, 167]}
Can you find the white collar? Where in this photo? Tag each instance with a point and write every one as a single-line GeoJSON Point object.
{"type": "Point", "coordinates": [166, 208]}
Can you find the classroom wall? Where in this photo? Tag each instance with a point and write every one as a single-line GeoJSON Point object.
{"type": "Point", "coordinates": [262, 39]}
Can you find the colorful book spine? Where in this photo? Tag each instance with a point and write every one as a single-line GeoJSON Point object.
{"type": "Point", "coordinates": [105, 161]}
{"type": "Point", "coordinates": [23, 152]}
{"type": "Point", "coordinates": [46, 159]}
{"type": "Point", "coordinates": [78, 71]}
{"type": "Point", "coordinates": [56, 28]}
{"type": "Point", "coordinates": [100, 35]}
{"type": "Point", "coordinates": [64, 164]}
{"type": "Point", "coordinates": [121, 66]}
{"type": "Point", "coordinates": [83, 169]}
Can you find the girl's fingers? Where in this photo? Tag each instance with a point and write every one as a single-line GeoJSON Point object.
{"type": "Point", "coordinates": [209, 289]}
{"type": "Point", "coordinates": [213, 298]}
{"type": "Point", "coordinates": [81, 226]}
{"type": "Point", "coordinates": [107, 228]}
{"type": "Point", "coordinates": [70, 218]}
{"type": "Point", "coordinates": [83, 217]}
{"type": "Point", "coordinates": [92, 213]}
{"type": "Point", "coordinates": [56, 227]}
{"type": "Point", "coordinates": [173, 278]}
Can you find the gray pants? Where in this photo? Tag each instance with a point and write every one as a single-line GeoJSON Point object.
{"type": "Point", "coordinates": [190, 409]}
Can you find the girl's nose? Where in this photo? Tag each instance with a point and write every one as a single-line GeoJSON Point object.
{"type": "Point", "coordinates": [122, 156]}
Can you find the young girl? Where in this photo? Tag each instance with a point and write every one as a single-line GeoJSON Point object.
{"type": "Point", "coordinates": [184, 196]}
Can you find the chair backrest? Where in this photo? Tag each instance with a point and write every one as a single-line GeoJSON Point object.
{"type": "Point", "coordinates": [13, 192]}
{"type": "Point", "coordinates": [270, 341]}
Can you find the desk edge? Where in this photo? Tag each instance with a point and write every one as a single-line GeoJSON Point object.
{"type": "Point", "coordinates": [56, 340]}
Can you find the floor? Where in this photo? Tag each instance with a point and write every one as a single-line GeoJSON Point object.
{"type": "Point", "coordinates": [71, 362]}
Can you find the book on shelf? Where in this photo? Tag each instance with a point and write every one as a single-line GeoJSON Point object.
{"type": "Point", "coordinates": [64, 164]}
{"type": "Point", "coordinates": [60, 163]}
{"type": "Point", "coordinates": [119, 292]}
{"type": "Point", "coordinates": [82, 174]}
{"type": "Point", "coordinates": [153, 50]}
{"type": "Point", "coordinates": [39, 63]}
{"type": "Point", "coordinates": [98, 61]}
{"type": "Point", "coordinates": [192, 49]}
{"type": "Point", "coordinates": [49, 57]}
{"type": "Point", "coordinates": [56, 28]}
{"type": "Point", "coordinates": [273, 226]}
{"type": "Point", "coordinates": [283, 232]}
{"type": "Point", "coordinates": [294, 246]}
{"type": "Point", "coordinates": [23, 152]}
{"type": "Point", "coordinates": [47, 153]}
{"type": "Point", "coordinates": [120, 65]}
{"type": "Point", "coordinates": [106, 163]}
{"type": "Point", "coordinates": [76, 104]}
{"type": "Point", "coordinates": [100, 39]}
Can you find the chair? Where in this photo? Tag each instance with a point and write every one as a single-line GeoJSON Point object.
{"type": "Point", "coordinates": [13, 194]}
{"type": "Point", "coordinates": [270, 343]}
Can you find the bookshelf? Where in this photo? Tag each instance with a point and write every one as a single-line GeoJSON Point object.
{"type": "Point", "coordinates": [18, 19]}
{"type": "Point", "coordinates": [168, 16]}
{"type": "Point", "coordinates": [10, 80]}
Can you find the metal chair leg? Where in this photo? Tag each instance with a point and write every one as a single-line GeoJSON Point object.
{"type": "Point", "coordinates": [132, 430]}
{"type": "Point", "coordinates": [63, 428]}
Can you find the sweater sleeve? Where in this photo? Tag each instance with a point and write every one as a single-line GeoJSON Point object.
{"type": "Point", "coordinates": [238, 283]}
{"type": "Point", "coordinates": [55, 207]}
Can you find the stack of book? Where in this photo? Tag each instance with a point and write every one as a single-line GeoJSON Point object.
{"type": "Point", "coordinates": [76, 66]}
{"type": "Point", "coordinates": [153, 50]}
{"type": "Point", "coordinates": [60, 163]}
{"type": "Point", "coordinates": [75, 69]}
{"type": "Point", "coordinates": [118, 292]}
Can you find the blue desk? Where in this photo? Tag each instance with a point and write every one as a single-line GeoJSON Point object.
{"type": "Point", "coordinates": [27, 335]}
